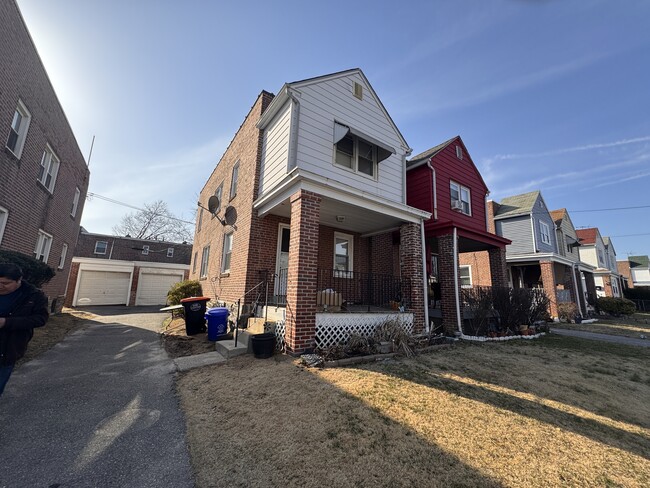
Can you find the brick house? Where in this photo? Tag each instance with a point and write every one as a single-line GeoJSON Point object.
{"type": "Point", "coordinates": [114, 270]}
{"type": "Point", "coordinates": [312, 215]}
{"type": "Point", "coordinates": [599, 252]}
{"type": "Point", "coordinates": [43, 175]}
{"type": "Point", "coordinates": [542, 253]}
{"type": "Point", "coordinates": [445, 182]}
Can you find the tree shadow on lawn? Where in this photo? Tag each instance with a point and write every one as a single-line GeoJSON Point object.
{"type": "Point", "coordinates": [281, 425]}
{"type": "Point", "coordinates": [636, 444]}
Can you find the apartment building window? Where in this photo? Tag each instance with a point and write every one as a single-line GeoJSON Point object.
{"type": "Point", "coordinates": [205, 257]}
{"type": "Point", "coordinates": [545, 232]}
{"type": "Point", "coordinates": [227, 253]}
{"type": "Point", "coordinates": [49, 169]}
{"type": "Point", "coordinates": [218, 194]}
{"type": "Point", "coordinates": [43, 246]}
{"type": "Point", "coordinates": [465, 276]}
{"type": "Point", "coordinates": [460, 198]}
{"type": "Point", "coordinates": [101, 247]}
{"type": "Point", "coordinates": [343, 255]}
{"type": "Point", "coordinates": [4, 215]}
{"type": "Point", "coordinates": [233, 183]}
{"type": "Point", "coordinates": [64, 253]}
{"type": "Point", "coordinates": [145, 250]}
{"type": "Point", "coordinates": [196, 257]}
{"type": "Point", "coordinates": [75, 202]}
{"type": "Point", "coordinates": [170, 252]}
{"type": "Point", "coordinates": [18, 130]}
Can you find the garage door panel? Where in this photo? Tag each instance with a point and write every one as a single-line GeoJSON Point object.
{"type": "Point", "coordinates": [153, 287]}
{"type": "Point", "coordinates": [103, 287]}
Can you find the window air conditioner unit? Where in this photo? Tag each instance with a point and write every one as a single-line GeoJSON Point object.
{"type": "Point", "coordinates": [457, 205]}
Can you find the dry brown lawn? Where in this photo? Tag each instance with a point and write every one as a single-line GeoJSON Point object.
{"type": "Point", "coordinates": [555, 412]}
{"type": "Point", "coordinates": [635, 326]}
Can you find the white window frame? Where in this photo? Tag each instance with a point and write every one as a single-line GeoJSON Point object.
{"type": "Point", "coordinates": [49, 169]}
{"type": "Point", "coordinates": [460, 189]}
{"type": "Point", "coordinates": [469, 275]}
{"type": "Point", "coordinates": [43, 246]}
{"type": "Point", "coordinates": [226, 255]}
{"type": "Point", "coordinates": [145, 250]}
{"type": "Point", "coordinates": [347, 273]}
{"type": "Point", "coordinates": [459, 152]}
{"type": "Point", "coordinates": [545, 233]}
{"type": "Point", "coordinates": [64, 254]}
{"type": "Point", "coordinates": [196, 258]}
{"type": "Point", "coordinates": [219, 194]}
{"type": "Point", "coordinates": [105, 248]}
{"type": "Point", "coordinates": [234, 180]}
{"type": "Point", "coordinates": [4, 216]}
{"type": "Point", "coordinates": [75, 202]}
{"type": "Point", "coordinates": [355, 156]}
{"type": "Point", "coordinates": [170, 252]}
{"type": "Point", "coordinates": [205, 258]}
{"type": "Point", "coordinates": [23, 127]}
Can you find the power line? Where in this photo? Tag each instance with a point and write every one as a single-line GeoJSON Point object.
{"type": "Point", "coordinates": [610, 209]}
{"type": "Point", "coordinates": [117, 202]}
{"type": "Point", "coordinates": [632, 235]}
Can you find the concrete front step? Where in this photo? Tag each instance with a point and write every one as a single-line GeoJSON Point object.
{"type": "Point", "coordinates": [227, 347]}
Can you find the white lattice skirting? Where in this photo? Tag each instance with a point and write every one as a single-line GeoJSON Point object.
{"type": "Point", "coordinates": [335, 328]}
{"type": "Point", "coordinates": [280, 329]}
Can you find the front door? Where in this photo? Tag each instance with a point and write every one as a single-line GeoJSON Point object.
{"type": "Point", "coordinates": [282, 261]}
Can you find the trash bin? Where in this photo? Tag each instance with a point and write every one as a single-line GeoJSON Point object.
{"type": "Point", "coordinates": [263, 345]}
{"type": "Point", "coordinates": [217, 323]}
{"type": "Point", "coordinates": [194, 308]}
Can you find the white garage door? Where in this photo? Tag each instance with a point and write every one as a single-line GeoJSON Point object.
{"type": "Point", "coordinates": [154, 285]}
{"type": "Point", "coordinates": [103, 288]}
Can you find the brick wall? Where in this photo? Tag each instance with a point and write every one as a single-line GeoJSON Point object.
{"type": "Point", "coordinates": [548, 281]}
{"type": "Point", "coordinates": [498, 267]}
{"type": "Point", "coordinates": [479, 263]}
{"type": "Point", "coordinates": [625, 271]}
{"type": "Point", "coordinates": [411, 257]}
{"type": "Point", "coordinates": [30, 205]}
{"type": "Point", "coordinates": [129, 249]}
{"type": "Point", "coordinates": [447, 287]}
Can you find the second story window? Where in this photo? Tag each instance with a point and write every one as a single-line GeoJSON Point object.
{"type": "Point", "coordinates": [601, 258]}
{"type": "Point", "coordinates": [145, 250]}
{"type": "Point", "coordinates": [64, 254]}
{"type": "Point", "coordinates": [227, 253]}
{"type": "Point", "coordinates": [460, 198]}
{"type": "Point", "coordinates": [170, 252]}
{"type": "Point", "coordinates": [545, 232]}
{"type": "Point", "coordinates": [49, 169]}
{"type": "Point", "coordinates": [18, 130]}
{"type": "Point", "coordinates": [356, 154]}
{"type": "Point", "coordinates": [75, 202]}
{"type": "Point", "coordinates": [233, 183]}
{"type": "Point", "coordinates": [101, 247]}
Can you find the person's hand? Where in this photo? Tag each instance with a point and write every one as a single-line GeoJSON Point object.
{"type": "Point", "coordinates": [2, 322]}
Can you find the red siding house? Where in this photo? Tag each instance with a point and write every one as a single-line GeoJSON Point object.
{"type": "Point", "coordinates": [444, 181]}
{"type": "Point", "coordinates": [43, 175]}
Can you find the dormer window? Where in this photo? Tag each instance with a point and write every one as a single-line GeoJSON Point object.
{"type": "Point", "coordinates": [357, 152]}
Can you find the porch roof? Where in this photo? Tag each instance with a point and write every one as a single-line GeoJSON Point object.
{"type": "Point", "coordinates": [470, 240]}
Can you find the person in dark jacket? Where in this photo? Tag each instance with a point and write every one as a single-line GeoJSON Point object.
{"type": "Point", "coordinates": [23, 307]}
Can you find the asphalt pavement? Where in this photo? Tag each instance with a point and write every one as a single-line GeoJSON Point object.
{"type": "Point", "coordinates": [97, 410]}
{"type": "Point", "coordinates": [595, 336]}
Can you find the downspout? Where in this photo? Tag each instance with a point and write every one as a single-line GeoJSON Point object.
{"type": "Point", "coordinates": [574, 267]}
{"type": "Point", "coordinates": [456, 288]}
{"type": "Point", "coordinates": [424, 278]}
{"type": "Point", "coordinates": [435, 191]}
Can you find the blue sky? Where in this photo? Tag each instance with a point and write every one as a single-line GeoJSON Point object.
{"type": "Point", "coordinates": [551, 95]}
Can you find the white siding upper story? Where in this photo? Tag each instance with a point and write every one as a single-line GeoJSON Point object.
{"type": "Point", "coordinates": [320, 103]}
{"type": "Point", "coordinates": [588, 255]}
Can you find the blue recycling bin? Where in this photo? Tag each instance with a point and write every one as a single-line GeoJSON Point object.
{"type": "Point", "coordinates": [217, 323]}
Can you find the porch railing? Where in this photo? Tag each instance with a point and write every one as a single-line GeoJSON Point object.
{"type": "Point", "coordinates": [348, 290]}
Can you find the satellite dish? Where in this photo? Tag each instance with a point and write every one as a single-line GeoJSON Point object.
{"type": "Point", "coordinates": [213, 204]}
{"type": "Point", "coordinates": [230, 216]}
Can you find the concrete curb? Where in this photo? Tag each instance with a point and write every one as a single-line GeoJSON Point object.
{"type": "Point", "coordinates": [186, 363]}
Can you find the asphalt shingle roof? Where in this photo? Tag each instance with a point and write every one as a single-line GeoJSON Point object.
{"type": "Point", "coordinates": [558, 215]}
{"type": "Point", "coordinates": [517, 205]}
{"type": "Point", "coordinates": [587, 236]}
{"type": "Point", "coordinates": [429, 153]}
{"type": "Point", "coordinates": [639, 262]}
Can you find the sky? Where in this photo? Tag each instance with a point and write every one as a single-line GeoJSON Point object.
{"type": "Point", "coordinates": [550, 95]}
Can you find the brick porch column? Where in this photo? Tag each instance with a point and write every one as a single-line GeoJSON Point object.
{"type": "Point", "coordinates": [548, 282]}
{"type": "Point", "coordinates": [302, 275]}
{"type": "Point", "coordinates": [447, 291]}
{"type": "Point", "coordinates": [411, 257]}
{"type": "Point", "coordinates": [498, 267]}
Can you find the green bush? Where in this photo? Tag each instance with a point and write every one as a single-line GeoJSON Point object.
{"type": "Point", "coordinates": [183, 289]}
{"type": "Point", "coordinates": [567, 311]}
{"type": "Point", "coordinates": [616, 306]}
{"type": "Point", "coordinates": [35, 272]}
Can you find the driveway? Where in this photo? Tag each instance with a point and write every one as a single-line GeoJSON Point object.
{"type": "Point", "coordinates": [98, 409]}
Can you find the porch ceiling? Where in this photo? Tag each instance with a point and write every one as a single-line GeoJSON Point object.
{"type": "Point", "coordinates": [355, 218]}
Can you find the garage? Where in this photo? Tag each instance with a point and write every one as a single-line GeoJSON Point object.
{"type": "Point", "coordinates": [153, 285]}
{"type": "Point", "coordinates": [103, 287]}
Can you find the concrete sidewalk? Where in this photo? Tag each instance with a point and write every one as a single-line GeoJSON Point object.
{"type": "Point", "coordinates": [98, 409]}
{"type": "Point", "coordinates": [629, 341]}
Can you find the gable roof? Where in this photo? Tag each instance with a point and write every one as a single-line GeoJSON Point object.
{"type": "Point", "coordinates": [284, 95]}
{"type": "Point", "coordinates": [517, 205]}
{"type": "Point", "coordinates": [639, 261]}
{"type": "Point", "coordinates": [429, 153]}
{"type": "Point", "coordinates": [587, 236]}
{"type": "Point", "coordinates": [558, 215]}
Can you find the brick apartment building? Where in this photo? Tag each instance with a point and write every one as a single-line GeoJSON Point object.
{"type": "Point", "coordinates": [114, 270]}
{"type": "Point", "coordinates": [43, 175]}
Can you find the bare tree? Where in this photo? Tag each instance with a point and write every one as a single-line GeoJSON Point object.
{"type": "Point", "coordinates": [155, 222]}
